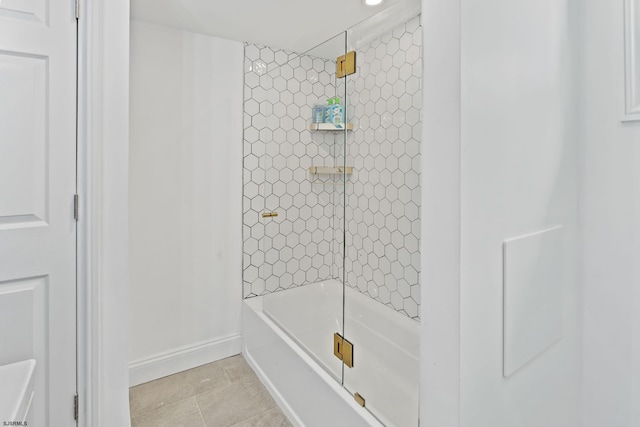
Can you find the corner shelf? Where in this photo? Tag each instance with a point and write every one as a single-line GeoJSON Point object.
{"type": "Point", "coordinates": [331, 170]}
{"type": "Point", "coordinates": [330, 126]}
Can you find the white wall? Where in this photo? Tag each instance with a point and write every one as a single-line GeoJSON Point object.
{"type": "Point", "coordinates": [610, 206]}
{"type": "Point", "coordinates": [185, 199]}
{"type": "Point", "coordinates": [440, 241]}
{"type": "Point", "coordinates": [519, 175]}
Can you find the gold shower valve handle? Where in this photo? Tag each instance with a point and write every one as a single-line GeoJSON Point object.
{"type": "Point", "coordinates": [269, 214]}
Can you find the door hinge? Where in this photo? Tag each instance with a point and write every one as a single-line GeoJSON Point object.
{"type": "Point", "coordinates": [346, 64]}
{"type": "Point", "coordinates": [77, 9]}
{"type": "Point", "coordinates": [343, 349]}
{"type": "Point", "coordinates": [76, 407]}
{"type": "Point", "coordinates": [76, 207]}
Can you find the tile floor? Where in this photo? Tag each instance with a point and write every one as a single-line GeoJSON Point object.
{"type": "Point", "coordinates": [220, 394]}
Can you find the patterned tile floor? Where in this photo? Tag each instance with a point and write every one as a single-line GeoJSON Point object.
{"type": "Point", "coordinates": [220, 394]}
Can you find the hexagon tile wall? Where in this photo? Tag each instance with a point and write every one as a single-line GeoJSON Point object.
{"type": "Point", "coordinates": [383, 206]}
{"type": "Point", "coordinates": [295, 248]}
{"type": "Point", "coordinates": [303, 244]}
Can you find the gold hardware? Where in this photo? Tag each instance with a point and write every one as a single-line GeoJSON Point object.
{"type": "Point", "coordinates": [346, 64]}
{"type": "Point", "coordinates": [331, 170]}
{"type": "Point", "coordinates": [359, 399]}
{"type": "Point", "coordinates": [269, 214]}
{"type": "Point", "coordinates": [330, 126]}
{"type": "Point", "coordinates": [343, 349]}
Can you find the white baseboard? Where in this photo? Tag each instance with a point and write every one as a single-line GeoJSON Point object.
{"type": "Point", "coordinates": [180, 359]}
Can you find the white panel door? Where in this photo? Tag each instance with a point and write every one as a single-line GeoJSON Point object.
{"type": "Point", "coordinates": [37, 183]}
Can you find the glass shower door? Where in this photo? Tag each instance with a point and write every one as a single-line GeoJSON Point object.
{"type": "Point", "coordinates": [332, 200]}
{"type": "Point", "coordinates": [298, 167]}
{"type": "Point", "coordinates": [382, 224]}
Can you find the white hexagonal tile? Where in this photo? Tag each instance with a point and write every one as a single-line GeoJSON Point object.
{"type": "Point", "coordinates": [413, 116]}
{"type": "Point", "coordinates": [252, 52]}
{"type": "Point", "coordinates": [257, 258]}
{"type": "Point", "coordinates": [281, 57]}
{"type": "Point", "coordinates": [374, 93]}
{"type": "Point", "coordinates": [397, 301]}
{"type": "Point", "coordinates": [286, 71]}
{"type": "Point", "coordinates": [300, 99]}
{"type": "Point", "coordinates": [300, 73]}
{"type": "Point", "coordinates": [383, 295]}
{"type": "Point", "coordinates": [413, 86]}
{"type": "Point", "coordinates": [406, 41]}
{"type": "Point", "coordinates": [267, 55]}
{"type": "Point", "coordinates": [265, 270]}
{"type": "Point", "coordinates": [252, 107]}
{"type": "Point", "coordinates": [417, 37]}
{"type": "Point", "coordinates": [404, 289]}
{"type": "Point", "coordinates": [252, 80]}
{"type": "Point", "coordinates": [257, 204]}
{"type": "Point", "coordinates": [381, 78]}
{"type": "Point", "coordinates": [266, 82]}
{"type": "Point", "coordinates": [411, 307]}
{"type": "Point", "coordinates": [298, 277]}
{"type": "Point", "coordinates": [399, 58]}
{"type": "Point", "coordinates": [404, 257]}
{"type": "Point", "coordinates": [293, 85]}
{"type": "Point", "coordinates": [404, 226]}
{"type": "Point", "coordinates": [324, 78]}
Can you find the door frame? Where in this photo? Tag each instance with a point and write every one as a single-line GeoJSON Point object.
{"type": "Point", "coordinates": [102, 290]}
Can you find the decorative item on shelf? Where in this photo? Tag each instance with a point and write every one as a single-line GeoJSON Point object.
{"type": "Point", "coordinates": [334, 112]}
{"type": "Point", "coordinates": [332, 174]}
{"type": "Point", "coordinates": [330, 116]}
{"type": "Point", "coordinates": [318, 113]}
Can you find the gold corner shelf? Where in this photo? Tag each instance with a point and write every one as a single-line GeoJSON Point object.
{"type": "Point", "coordinates": [331, 170]}
{"type": "Point", "coordinates": [330, 126]}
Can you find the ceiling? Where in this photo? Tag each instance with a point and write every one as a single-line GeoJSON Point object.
{"type": "Point", "coordinates": [294, 25]}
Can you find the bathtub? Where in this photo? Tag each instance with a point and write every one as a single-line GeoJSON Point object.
{"type": "Point", "coordinates": [288, 340]}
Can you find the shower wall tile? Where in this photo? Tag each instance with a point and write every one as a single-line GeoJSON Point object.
{"type": "Point", "coordinates": [303, 244]}
{"type": "Point", "coordinates": [295, 248]}
{"type": "Point", "coordinates": [383, 196]}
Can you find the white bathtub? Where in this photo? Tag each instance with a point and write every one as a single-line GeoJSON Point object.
{"type": "Point", "coordinates": [288, 340]}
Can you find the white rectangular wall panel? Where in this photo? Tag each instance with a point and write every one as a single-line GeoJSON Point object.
{"type": "Point", "coordinates": [533, 294]}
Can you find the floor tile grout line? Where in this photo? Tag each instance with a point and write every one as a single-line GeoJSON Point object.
{"type": "Point", "coordinates": [241, 421]}
{"type": "Point", "coordinates": [179, 400]}
{"type": "Point", "coordinates": [204, 424]}
{"type": "Point", "coordinates": [174, 402]}
{"type": "Point", "coordinates": [239, 381]}
{"type": "Point", "coordinates": [227, 375]}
